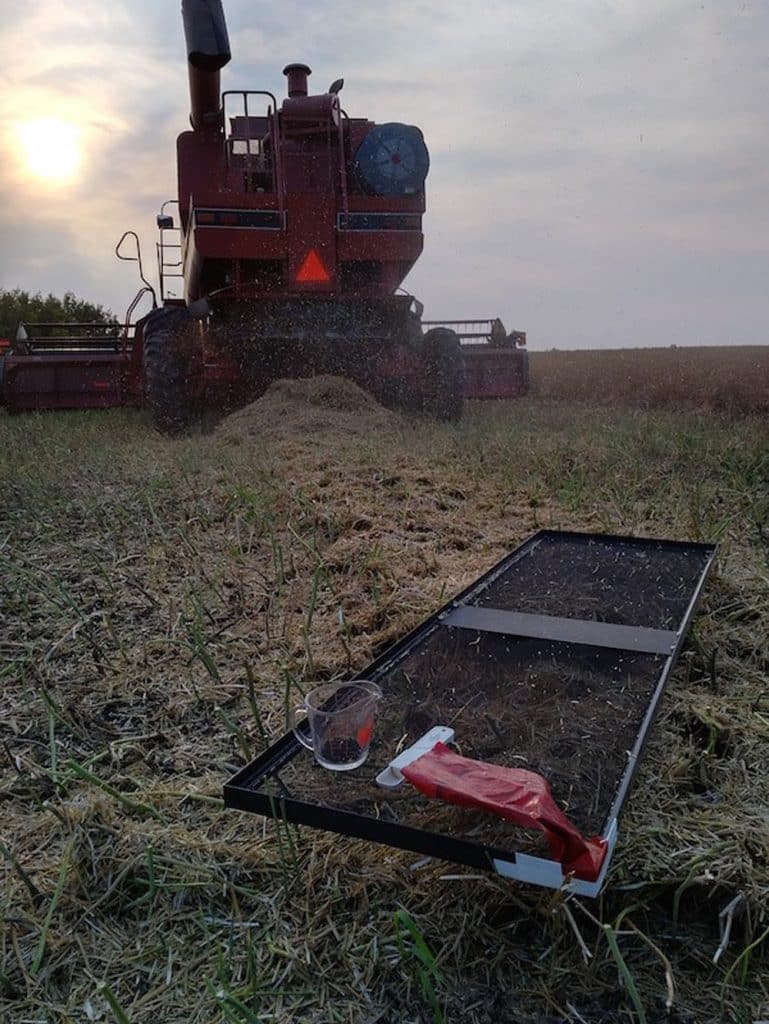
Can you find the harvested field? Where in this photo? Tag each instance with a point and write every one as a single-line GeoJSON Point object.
{"type": "Point", "coordinates": [732, 380]}
{"type": "Point", "coordinates": [163, 601]}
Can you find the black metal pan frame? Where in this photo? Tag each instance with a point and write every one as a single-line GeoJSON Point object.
{"type": "Point", "coordinates": [242, 790]}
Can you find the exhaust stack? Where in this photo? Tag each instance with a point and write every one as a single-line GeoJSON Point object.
{"type": "Point", "coordinates": [208, 50]}
{"type": "Point", "coordinates": [297, 75]}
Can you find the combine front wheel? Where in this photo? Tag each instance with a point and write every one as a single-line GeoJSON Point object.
{"type": "Point", "coordinates": [170, 367]}
{"type": "Point", "coordinates": [445, 391]}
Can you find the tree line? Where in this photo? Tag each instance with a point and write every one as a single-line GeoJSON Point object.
{"type": "Point", "coordinates": [17, 305]}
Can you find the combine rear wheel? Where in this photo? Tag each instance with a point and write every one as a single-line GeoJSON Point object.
{"type": "Point", "coordinates": [171, 366]}
{"type": "Point", "coordinates": [444, 395]}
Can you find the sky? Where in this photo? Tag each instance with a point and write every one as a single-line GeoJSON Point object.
{"type": "Point", "coordinates": [599, 168]}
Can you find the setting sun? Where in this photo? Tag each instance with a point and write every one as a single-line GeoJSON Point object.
{"type": "Point", "coordinates": [51, 149]}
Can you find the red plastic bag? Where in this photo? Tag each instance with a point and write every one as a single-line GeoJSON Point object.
{"type": "Point", "coordinates": [511, 793]}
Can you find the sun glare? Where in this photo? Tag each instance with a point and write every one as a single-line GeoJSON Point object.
{"type": "Point", "coordinates": [51, 149]}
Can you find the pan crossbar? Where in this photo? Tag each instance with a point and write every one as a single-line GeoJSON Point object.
{"type": "Point", "coordinates": [572, 631]}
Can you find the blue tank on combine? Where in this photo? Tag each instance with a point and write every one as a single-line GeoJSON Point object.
{"type": "Point", "coordinates": [392, 161]}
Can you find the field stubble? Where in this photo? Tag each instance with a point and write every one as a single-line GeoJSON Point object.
{"type": "Point", "coordinates": [164, 601]}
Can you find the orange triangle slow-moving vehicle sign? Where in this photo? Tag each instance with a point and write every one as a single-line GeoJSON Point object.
{"type": "Point", "coordinates": [312, 270]}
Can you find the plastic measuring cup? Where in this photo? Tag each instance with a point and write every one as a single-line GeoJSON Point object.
{"type": "Point", "coordinates": [336, 722]}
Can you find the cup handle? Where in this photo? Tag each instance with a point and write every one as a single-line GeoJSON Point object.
{"type": "Point", "coordinates": [296, 719]}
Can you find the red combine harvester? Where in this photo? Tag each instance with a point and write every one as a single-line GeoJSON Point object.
{"type": "Point", "coordinates": [296, 226]}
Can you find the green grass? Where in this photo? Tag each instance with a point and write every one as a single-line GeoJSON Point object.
{"type": "Point", "coordinates": [164, 601]}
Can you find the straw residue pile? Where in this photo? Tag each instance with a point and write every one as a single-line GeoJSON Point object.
{"type": "Point", "coordinates": [307, 406]}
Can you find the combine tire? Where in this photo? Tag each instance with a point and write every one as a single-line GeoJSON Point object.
{"type": "Point", "coordinates": [169, 368]}
{"type": "Point", "coordinates": [445, 388]}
